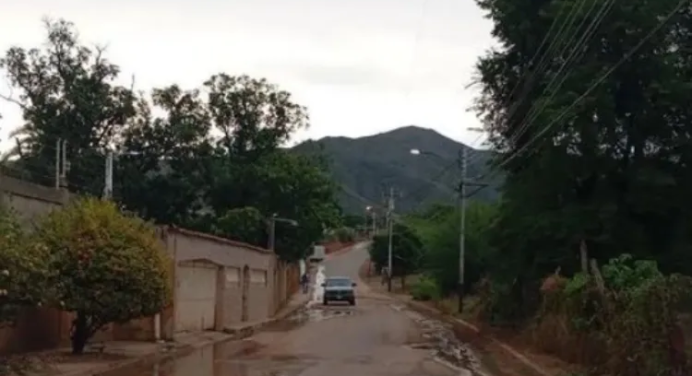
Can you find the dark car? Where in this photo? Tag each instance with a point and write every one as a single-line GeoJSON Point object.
{"type": "Point", "coordinates": [339, 289]}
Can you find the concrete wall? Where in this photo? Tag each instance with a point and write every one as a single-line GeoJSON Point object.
{"type": "Point", "coordinates": [269, 282]}
{"type": "Point", "coordinates": [28, 200]}
{"type": "Point", "coordinates": [245, 283]}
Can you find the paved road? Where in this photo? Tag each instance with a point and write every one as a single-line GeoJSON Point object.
{"type": "Point", "coordinates": [376, 337]}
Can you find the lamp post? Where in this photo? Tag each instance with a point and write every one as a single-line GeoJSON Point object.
{"type": "Point", "coordinates": [373, 214]}
{"type": "Point", "coordinates": [461, 204]}
{"type": "Point", "coordinates": [272, 228]}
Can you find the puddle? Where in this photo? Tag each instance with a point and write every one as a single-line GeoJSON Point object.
{"type": "Point", "coordinates": [444, 347]}
{"type": "Point", "coordinates": [306, 315]}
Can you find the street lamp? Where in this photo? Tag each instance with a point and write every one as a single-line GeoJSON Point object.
{"type": "Point", "coordinates": [272, 228]}
{"type": "Point", "coordinates": [461, 203]}
{"type": "Point", "coordinates": [373, 214]}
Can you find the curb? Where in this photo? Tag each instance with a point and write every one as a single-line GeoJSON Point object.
{"type": "Point", "coordinates": [466, 325]}
{"type": "Point", "coordinates": [183, 350]}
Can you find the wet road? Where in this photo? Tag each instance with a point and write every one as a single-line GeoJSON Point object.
{"type": "Point", "coordinates": [376, 337]}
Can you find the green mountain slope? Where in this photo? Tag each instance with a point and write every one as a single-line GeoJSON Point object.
{"type": "Point", "coordinates": [367, 166]}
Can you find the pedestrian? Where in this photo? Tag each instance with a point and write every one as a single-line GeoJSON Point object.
{"type": "Point", "coordinates": [304, 282]}
{"type": "Point", "coordinates": [385, 275]}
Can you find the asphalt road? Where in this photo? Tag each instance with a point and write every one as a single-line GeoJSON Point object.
{"type": "Point", "coordinates": [376, 337]}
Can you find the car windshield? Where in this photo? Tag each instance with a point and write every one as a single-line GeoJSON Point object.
{"type": "Point", "coordinates": [339, 282]}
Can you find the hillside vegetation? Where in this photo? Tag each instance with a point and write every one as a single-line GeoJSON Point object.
{"type": "Point", "coordinates": [366, 167]}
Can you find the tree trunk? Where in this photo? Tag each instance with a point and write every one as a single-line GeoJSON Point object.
{"type": "Point", "coordinates": [80, 334]}
{"type": "Point", "coordinates": [403, 282]}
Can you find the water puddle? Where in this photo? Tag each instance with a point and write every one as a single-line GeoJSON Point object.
{"type": "Point", "coordinates": [444, 347]}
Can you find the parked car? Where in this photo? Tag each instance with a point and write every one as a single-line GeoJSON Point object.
{"type": "Point", "coordinates": [339, 289]}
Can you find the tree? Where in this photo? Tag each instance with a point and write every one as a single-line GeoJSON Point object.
{"type": "Point", "coordinates": [438, 229]}
{"type": "Point", "coordinates": [407, 251]}
{"type": "Point", "coordinates": [66, 91]}
{"type": "Point", "coordinates": [175, 171]}
{"type": "Point", "coordinates": [24, 269]}
{"type": "Point", "coordinates": [164, 171]}
{"type": "Point", "coordinates": [243, 224]}
{"type": "Point", "coordinates": [254, 116]}
{"type": "Point", "coordinates": [298, 188]}
{"type": "Point", "coordinates": [605, 165]}
{"type": "Point", "coordinates": [110, 267]}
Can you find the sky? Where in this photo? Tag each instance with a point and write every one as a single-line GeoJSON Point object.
{"type": "Point", "coordinates": [361, 67]}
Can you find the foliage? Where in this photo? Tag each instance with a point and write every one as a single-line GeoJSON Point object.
{"type": "Point", "coordinates": [362, 166]}
{"type": "Point", "coordinates": [188, 157]}
{"type": "Point", "coordinates": [66, 91]}
{"type": "Point", "coordinates": [438, 229]}
{"type": "Point", "coordinates": [24, 272]}
{"type": "Point", "coordinates": [243, 224]}
{"type": "Point", "coordinates": [604, 162]}
{"type": "Point", "coordinates": [425, 289]}
{"type": "Point", "coordinates": [630, 324]}
{"type": "Point", "coordinates": [345, 234]}
{"type": "Point", "coordinates": [407, 250]}
{"type": "Point", "coordinates": [109, 267]}
{"type": "Point", "coordinates": [355, 221]}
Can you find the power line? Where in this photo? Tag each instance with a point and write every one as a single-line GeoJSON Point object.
{"type": "Point", "coordinates": [534, 111]}
{"type": "Point", "coordinates": [596, 83]}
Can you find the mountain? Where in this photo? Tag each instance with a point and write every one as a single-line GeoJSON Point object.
{"type": "Point", "coordinates": [367, 166]}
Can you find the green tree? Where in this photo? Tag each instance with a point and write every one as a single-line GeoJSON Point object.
{"type": "Point", "coordinates": [610, 168]}
{"type": "Point", "coordinates": [407, 251]}
{"type": "Point", "coordinates": [66, 91]}
{"type": "Point", "coordinates": [164, 172]}
{"type": "Point", "coordinates": [24, 268]}
{"type": "Point", "coordinates": [243, 224]}
{"type": "Point", "coordinates": [438, 230]}
{"type": "Point", "coordinates": [111, 267]}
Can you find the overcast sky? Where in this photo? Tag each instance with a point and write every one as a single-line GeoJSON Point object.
{"type": "Point", "coordinates": [360, 66]}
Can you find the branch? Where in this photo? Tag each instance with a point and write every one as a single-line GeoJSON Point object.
{"type": "Point", "coordinates": [8, 98]}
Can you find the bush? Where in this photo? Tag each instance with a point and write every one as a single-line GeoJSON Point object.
{"type": "Point", "coordinates": [345, 234]}
{"type": "Point", "coordinates": [110, 267]}
{"type": "Point", "coordinates": [425, 289]}
{"type": "Point", "coordinates": [24, 272]}
{"type": "Point", "coordinates": [625, 326]}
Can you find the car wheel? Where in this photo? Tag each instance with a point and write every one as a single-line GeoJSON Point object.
{"type": "Point", "coordinates": [325, 302]}
{"type": "Point", "coordinates": [352, 302]}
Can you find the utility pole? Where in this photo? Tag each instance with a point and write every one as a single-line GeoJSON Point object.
{"type": "Point", "coordinates": [272, 228]}
{"type": "Point", "coordinates": [58, 163]}
{"type": "Point", "coordinates": [108, 186]}
{"type": "Point", "coordinates": [61, 164]}
{"type": "Point", "coordinates": [462, 225]}
{"type": "Point", "coordinates": [390, 225]}
{"type": "Point", "coordinates": [272, 232]}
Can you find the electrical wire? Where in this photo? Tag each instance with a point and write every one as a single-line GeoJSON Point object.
{"type": "Point", "coordinates": [596, 83]}
{"type": "Point", "coordinates": [553, 88]}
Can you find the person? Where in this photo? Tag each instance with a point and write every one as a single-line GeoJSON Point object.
{"type": "Point", "coordinates": [385, 275]}
{"type": "Point", "coordinates": [304, 282]}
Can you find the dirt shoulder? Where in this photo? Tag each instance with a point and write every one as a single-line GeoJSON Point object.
{"type": "Point", "coordinates": [503, 353]}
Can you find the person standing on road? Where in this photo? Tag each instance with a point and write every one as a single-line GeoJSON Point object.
{"type": "Point", "coordinates": [304, 282]}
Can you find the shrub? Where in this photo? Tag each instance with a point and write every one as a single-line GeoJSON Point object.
{"type": "Point", "coordinates": [345, 234]}
{"type": "Point", "coordinates": [110, 267]}
{"type": "Point", "coordinates": [24, 269]}
{"type": "Point", "coordinates": [425, 289]}
{"type": "Point", "coordinates": [625, 326]}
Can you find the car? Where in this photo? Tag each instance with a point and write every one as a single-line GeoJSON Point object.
{"type": "Point", "coordinates": [340, 289]}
